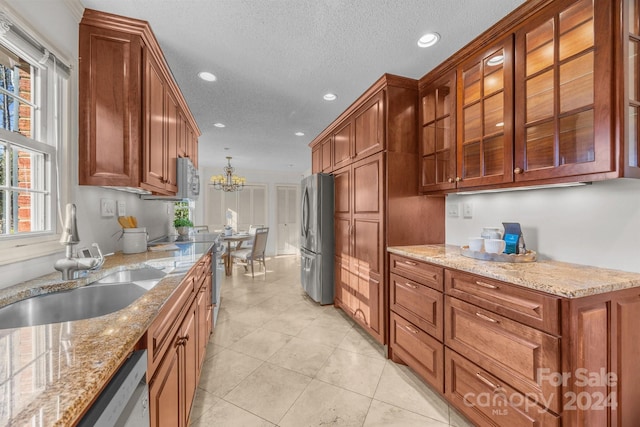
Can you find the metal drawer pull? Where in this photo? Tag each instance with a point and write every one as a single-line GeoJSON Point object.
{"type": "Point", "coordinates": [377, 282]}
{"type": "Point", "coordinates": [411, 285]}
{"type": "Point", "coordinates": [411, 263]}
{"type": "Point", "coordinates": [487, 318]}
{"type": "Point", "coordinates": [486, 285]}
{"type": "Point", "coordinates": [487, 382]}
{"type": "Point", "coordinates": [410, 329]}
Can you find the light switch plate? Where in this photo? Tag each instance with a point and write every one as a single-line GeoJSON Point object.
{"type": "Point", "coordinates": [122, 209]}
{"type": "Point", "coordinates": [107, 207]}
{"type": "Point", "coordinates": [452, 210]}
{"type": "Point", "coordinates": [467, 210]}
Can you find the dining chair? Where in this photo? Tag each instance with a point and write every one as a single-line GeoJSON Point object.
{"type": "Point", "coordinates": [252, 231]}
{"type": "Point", "coordinates": [255, 252]}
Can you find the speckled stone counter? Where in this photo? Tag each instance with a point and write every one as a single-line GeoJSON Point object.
{"type": "Point", "coordinates": [557, 278]}
{"type": "Point", "coordinates": [51, 373]}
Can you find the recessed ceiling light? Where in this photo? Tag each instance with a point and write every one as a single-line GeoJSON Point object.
{"type": "Point", "coordinates": [299, 133]}
{"type": "Point", "coordinates": [496, 60]}
{"type": "Point", "coordinates": [428, 39]}
{"type": "Point", "coordinates": [219, 125]}
{"type": "Point", "coordinates": [329, 97]}
{"type": "Point", "coordinates": [207, 76]}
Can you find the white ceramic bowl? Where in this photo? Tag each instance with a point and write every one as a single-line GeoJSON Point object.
{"type": "Point", "coordinates": [494, 246]}
{"type": "Point", "coordinates": [476, 244]}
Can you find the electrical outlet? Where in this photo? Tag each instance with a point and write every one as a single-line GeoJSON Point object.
{"type": "Point", "coordinates": [122, 209]}
{"type": "Point", "coordinates": [467, 210]}
{"type": "Point", "coordinates": [452, 210]}
{"type": "Point", "coordinates": [107, 207]}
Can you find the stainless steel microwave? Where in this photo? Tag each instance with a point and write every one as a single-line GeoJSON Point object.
{"type": "Point", "coordinates": [188, 182]}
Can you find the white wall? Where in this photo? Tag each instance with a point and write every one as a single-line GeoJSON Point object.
{"type": "Point", "coordinates": [595, 225]}
{"type": "Point", "coordinates": [270, 178]}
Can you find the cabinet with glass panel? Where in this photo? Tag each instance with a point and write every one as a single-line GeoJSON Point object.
{"type": "Point", "coordinates": [562, 107]}
{"type": "Point", "coordinates": [437, 146]}
{"type": "Point", "coordinates": [485, 117]}
{"type": "Point", "coordinates": [564, 88]}
{"type": "Point", "coordinates": [631, 28]}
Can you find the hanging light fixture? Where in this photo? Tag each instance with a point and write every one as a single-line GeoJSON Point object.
{"type": "Point", "coordinates": [228, 182]}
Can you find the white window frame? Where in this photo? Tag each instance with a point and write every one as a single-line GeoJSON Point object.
{"type": "Point", "coordinates": [52, 92]}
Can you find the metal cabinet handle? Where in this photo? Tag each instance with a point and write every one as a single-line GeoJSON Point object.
{"type": "Point", "coordinates": [458, 179]}
{"type": "Point", "coordinates": [450, 180]}
{"type": "Point", "coordinates": [410, 285]}
{"type": "Point", "coordinates": [377, 282]}
{"type": "Point", "coordinates": [487, 318]}
{"type": "Point", "coordinates": [487, 382]}
{"type": "Point", "coordinates": [518, 171]}
{"type": "Point", "coordinates": [411, 263]}
{"type": "Point", "coordinates": [410, 329]}
{"type": "Point", "coordinates": [486, 285]}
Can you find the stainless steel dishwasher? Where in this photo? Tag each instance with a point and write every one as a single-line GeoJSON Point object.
{"type": "Point", "coordinates": [125, 400]}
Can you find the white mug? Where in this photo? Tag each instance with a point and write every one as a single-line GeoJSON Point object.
{"type": "Point", "coordinates": [476, 244]}
{"type": "Point", "coordinates": [494, 246]}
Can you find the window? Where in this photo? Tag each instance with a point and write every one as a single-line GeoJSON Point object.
{"type": "Point", "coordinates": [33, 124]}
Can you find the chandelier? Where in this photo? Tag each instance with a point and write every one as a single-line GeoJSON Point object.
{"type": "Point", "coordinates": [227, 182]}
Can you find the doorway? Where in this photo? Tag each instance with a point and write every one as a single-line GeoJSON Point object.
{"type": "Point", "coordinates": [287, 214]}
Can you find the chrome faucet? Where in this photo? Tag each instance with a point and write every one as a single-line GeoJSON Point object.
{"type": "Point", "coordinates": [70, 265]}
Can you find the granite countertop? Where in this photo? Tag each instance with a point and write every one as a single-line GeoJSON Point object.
{"type": "Point", "coordinates": [553, 277]}
{"type": "Point", "coordinates": [50, 374]}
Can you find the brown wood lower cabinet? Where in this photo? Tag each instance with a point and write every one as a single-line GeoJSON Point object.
{"type": "Point", "coordinates": [515, 352]}
{"type": "Point", "coordinates": [487, 400]}
{"type": "Point", "coordinates": [176, 343]}
{"type": "Point", "coordinates": [419, 350]}
{"type": "Point", "coordinates": [513, 356]}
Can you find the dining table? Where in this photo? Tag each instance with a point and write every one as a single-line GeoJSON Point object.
{"type": "Point", "coordinates": [237, 238]}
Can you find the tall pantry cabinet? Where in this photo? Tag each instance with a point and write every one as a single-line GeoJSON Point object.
{"type": "Point", "coordinates": [372, 151]}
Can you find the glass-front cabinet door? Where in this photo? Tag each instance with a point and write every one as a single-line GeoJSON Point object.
{"type": "Point", "coordinates": [632, 141]}
{"type": "Point", "coordinates": [563, 92]}
{"type": "Point", "coordinates": [485, 117]}
{"type": "Point", "coordinates": [437, 146]}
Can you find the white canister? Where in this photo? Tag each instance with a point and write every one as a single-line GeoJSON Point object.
{"type": "Point", "coordinates": [134, 240]}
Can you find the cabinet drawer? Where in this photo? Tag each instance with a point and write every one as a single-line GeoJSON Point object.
{"type": "Point", "coordinates": [164, 327]}
{"type": "Point", "coordinates": [418, 303]}
{"type": "Point", "coordinates": [420, 351]}
{"type": "Point", "coordinates": [515, 353]}
{"type": "Point", "coordinates": [532, 308]}
{"type": "Point", "coordinates": [487, 400]}
{"type": "Point", "coordinates": [417, 271]}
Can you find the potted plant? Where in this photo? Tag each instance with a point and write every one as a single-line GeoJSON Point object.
{"type": "Point", "coordinates": [181, 220]}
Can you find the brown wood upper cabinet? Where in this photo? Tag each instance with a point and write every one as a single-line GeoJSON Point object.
{"type": "Point", "coordinates": [342, 142]}
{"type": "Point", "coordinates": [485, 117]}
{"type": "Point", "coordinates": [369, 128]}
{"type": "Point", "coordinates": [564, 92]}
{"type": "Point", "coordinates": [134, 121]}
{"type": "Point", "coordinates": [437, 146]}
{"type": "Point", "coordinates": [562, 107]}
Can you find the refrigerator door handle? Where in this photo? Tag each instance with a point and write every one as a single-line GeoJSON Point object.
{"type": "Point", "coordinates": [305, 213]}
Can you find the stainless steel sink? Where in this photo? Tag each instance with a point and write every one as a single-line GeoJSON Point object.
{"type": "Point", "coordinates": [80, 303]}
{"type": "Point", "coordinates": [139, 274]}
{"type": "Point", "coordinates": [146, 277]}
{"type": "Point", "coordinates": [111, 293]}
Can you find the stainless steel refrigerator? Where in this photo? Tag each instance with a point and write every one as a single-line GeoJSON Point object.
{"type": "Point", "coordinates": [317, 237]}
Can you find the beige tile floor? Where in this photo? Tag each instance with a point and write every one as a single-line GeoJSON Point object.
{"type": "Point", "coordinates": [276, 358]}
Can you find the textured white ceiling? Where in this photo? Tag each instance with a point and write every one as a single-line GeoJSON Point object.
{"type": "Point", "coordinates": [274, 60]}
